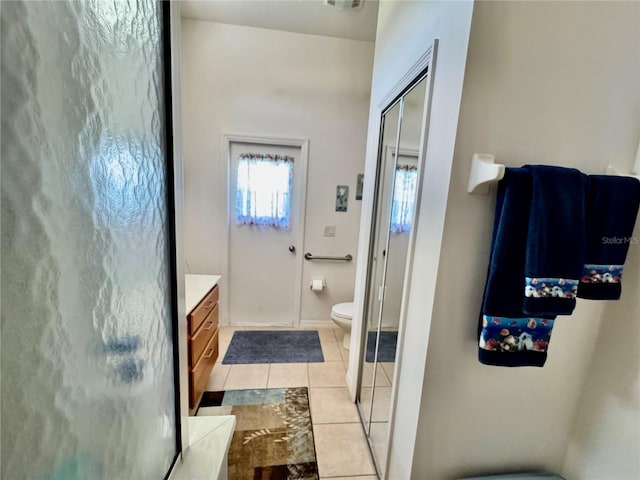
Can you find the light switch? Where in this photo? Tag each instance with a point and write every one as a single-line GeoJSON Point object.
{"type": "Point", "coordinates": [330, 231]}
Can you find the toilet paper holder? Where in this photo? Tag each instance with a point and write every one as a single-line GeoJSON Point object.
{"type": "Point", "coordinates": [317, 285]}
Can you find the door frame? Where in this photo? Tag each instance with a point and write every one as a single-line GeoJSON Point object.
{"type": "Point", "coordinates": [172, 41]}
{"type": "Point", "coordinates": [275, 141]}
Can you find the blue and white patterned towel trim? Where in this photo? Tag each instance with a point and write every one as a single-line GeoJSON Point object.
{"type": "Point", "coordinates": [550, 287]}
{"type": "Point", "coordinates": [504, 334]}
{"type": "Point", "coordinates": [601, 273]}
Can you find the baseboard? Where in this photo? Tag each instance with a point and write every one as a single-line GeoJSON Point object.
{"type": "Point", "coordinates": [388, 325]}
{"type": "Point", "coordinates": [258, 325]}
{"type": "Point", "coordinates": [317, 324]}
{"type": "Point", "coordinates": [303, 324]}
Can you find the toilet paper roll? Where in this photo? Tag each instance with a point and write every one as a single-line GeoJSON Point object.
{"type": "Point", "coordinates": [317, 285]}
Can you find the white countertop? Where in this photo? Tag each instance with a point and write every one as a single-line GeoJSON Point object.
{"type": "Point", "coordinates": [196, 287]}
{"type": "Point", "coordinates": [209, 441]}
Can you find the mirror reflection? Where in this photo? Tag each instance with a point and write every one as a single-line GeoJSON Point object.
{"type": "Point", "coordinates": [390, 125]}
{"type": "Point", "coordinates": [397, 184]}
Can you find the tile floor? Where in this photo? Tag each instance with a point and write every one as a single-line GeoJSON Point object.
{"type": "Point", "coordinates": [341, 446]}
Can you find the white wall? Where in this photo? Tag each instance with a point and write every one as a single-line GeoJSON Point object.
{"type": "Point", "coordinates": [605, 437]}
{"type": "Point", "coordinates": [405, 31]}
{"type": "Point", "coordinates": [265, 82]}
{"type": "Point", "coordinates": [554, 83]}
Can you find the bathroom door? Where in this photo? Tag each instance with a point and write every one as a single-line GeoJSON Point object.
{"type": "Point", "coordinates": [88, 385]}
{"type": "Point", "coordinates": [267, 183]}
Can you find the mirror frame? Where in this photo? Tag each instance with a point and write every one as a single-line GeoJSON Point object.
{"type": "Point", "coordinates": [423, 68]}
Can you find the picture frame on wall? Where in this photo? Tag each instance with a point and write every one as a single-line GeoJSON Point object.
{"type": "Point", "coordinates": [342, 198]}
{"type": "Point", "coordinates": [359, 186]}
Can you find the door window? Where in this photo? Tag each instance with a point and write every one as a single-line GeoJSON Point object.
{"type": "Point", "coordinates": [404, 198]}
{"type": "Point", "coordinates": [263, 194]}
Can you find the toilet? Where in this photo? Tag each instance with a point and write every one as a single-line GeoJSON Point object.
{"type": "Point", "coordinates": [341, 314]}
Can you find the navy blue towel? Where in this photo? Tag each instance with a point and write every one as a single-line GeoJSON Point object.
{"type": "Point", "coordinates": [612, 208]}
{"type": "Point", "coordinates": [556, 240]}
{"type": "Point", "coordinates": [506, 336]}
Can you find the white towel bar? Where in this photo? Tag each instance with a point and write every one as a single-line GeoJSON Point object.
{"type": "Point", "coordinates": [614, 171]}
{"type": "Point", "coordinates": [485, 171]}
{"type": "Point", "coordinates": [635, 171]}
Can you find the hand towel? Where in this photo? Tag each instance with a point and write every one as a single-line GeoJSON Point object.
{"type": "Point", "coordinates": [507, 337]}
{"type": "Point", "coordinates": [556, 240]}
{"type": "Point", "coordinates": [612, 208]}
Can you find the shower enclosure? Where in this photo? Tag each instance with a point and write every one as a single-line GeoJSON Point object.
{"type": "Point", "coordinates": [89, 377]}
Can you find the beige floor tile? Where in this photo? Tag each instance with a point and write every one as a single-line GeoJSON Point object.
{"type": "Point", "coordinates": [331, 351]}
{"type": "Point", "coordinates": [247, 376]}
{"type": "Point", "coordinates": [218, 377]}
{"type": "Point", "coordinates": [381, 404]}
{"type": "Point", "coordinates": [332, 405]}
{"type": "Point", "coordinates": [326, 334]}
{"type": "Point", "coordinates": [367, 376]}
{"type": "Point", "coordinates": [326, 339]}
{"type": "Point", "coordinates": [379, 439]}
{"type": "Point", "coordinates": [288, 375]}
{"type": "Point", "coordinates": [327, 374]}
{"type": "Point", "coordinates": [365, 400]}
{"type": "Point", "coordinates": [222, 348]}
{"type": "Point", "coordinates": [225, 334]}
{"type": "Point", "coordinates": [339, 333]}
{"type": "Point", "coordinates": [342, 450]}
{"type": "Point", "coordinates": [388, 369]}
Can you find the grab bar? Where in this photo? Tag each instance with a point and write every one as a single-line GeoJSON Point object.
{"type": "Point", "coordinates": [347, 258]}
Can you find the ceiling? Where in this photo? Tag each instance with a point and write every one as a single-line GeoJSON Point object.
{"type": "Point", "coordinates": [300, 16]}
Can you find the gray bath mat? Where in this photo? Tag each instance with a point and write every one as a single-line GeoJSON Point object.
{"type": "Point", "coordinates": [387, 348]}
{"type": "Point", "coordinates": [281, 346]}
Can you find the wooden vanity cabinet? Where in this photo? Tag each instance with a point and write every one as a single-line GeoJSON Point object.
{"type": "Point", "coordinates": [202, 328]}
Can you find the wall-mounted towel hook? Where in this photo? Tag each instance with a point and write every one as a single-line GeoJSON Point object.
{"type": "Point", "coordinates": [484, 171]}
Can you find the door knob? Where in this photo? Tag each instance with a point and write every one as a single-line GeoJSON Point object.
{"type": "Point", "coordinates": [292, 249]}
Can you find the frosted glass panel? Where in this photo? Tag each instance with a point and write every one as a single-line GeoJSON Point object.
{"type": "Point", "coordinates": [87, 357]}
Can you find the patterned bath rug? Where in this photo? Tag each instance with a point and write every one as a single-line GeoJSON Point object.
{"type": "Point", "coordinates": [273, 438]}
{"type": "Point", "coordinates": [274, 346]}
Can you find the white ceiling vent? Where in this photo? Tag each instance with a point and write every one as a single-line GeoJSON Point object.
{"type": "Point", "coordinates": [344, 4]}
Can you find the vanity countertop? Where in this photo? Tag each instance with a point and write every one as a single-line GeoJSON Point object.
{"type": "Point", "coordinates": [196, 287]}
{"type": "Point", "coordinates": [209, 441]}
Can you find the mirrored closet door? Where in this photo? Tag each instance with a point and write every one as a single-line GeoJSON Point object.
{"type": "Point", "coordinates": [394, 206]}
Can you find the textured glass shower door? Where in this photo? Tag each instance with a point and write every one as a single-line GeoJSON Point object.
{"type": "Point", "coordinates": [87, 348]}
